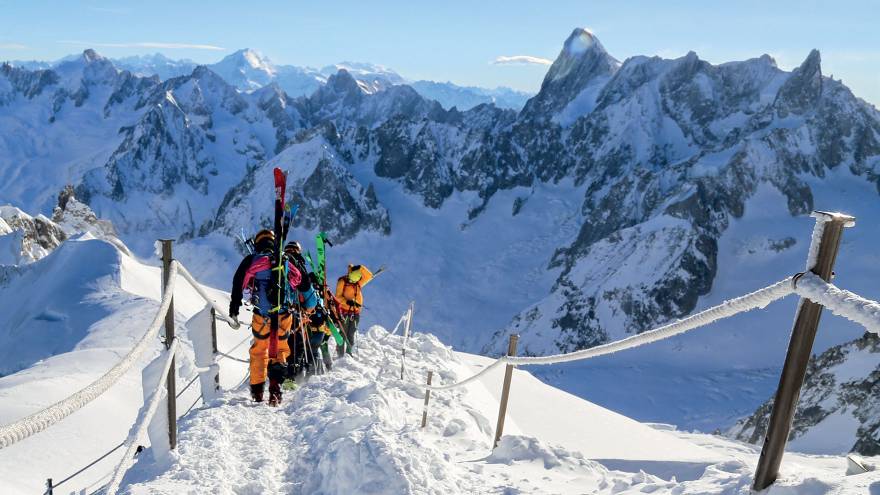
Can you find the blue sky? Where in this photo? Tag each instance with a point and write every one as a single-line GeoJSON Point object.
{"type": "Point", "coordinates": [454, 40]}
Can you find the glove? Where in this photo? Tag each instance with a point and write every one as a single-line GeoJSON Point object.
{"type": "Point", "coordinates": [235, 322]}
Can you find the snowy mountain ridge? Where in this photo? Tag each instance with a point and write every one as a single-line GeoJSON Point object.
{"type": "Point", "coordinates": [624, 194]}
{"type": "Point", "coordinates": [249, 70]}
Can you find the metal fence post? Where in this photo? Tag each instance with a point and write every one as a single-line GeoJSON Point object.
{"type": "Point", "coordinates": [427, 398]}
{"type": "Point", "coordinates": [829, 230]}
{"type": "Point", "coordinates": [214, 345]}
{"type": "Point", "coordinates": [505, 390]}
{"type": "Point", "coordinates": [171, 385]}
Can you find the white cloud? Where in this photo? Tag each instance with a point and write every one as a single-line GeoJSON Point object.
{"type": "Point", "coordinates": [521, 60]}
{"type": "Point", "coordinates": [145, 44]}
{"type": "Point", "coordinates": [12, 46]}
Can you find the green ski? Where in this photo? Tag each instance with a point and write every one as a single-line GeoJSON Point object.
{"type": "Point", "coordinates": [335, 333]}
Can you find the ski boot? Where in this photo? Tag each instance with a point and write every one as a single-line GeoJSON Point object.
{"type": "Point", "coordinates": [274, 393]}
{"type": "Point", "coordinates": [257, 392]}
{"type": "Point", "coordinates": [276, 372]}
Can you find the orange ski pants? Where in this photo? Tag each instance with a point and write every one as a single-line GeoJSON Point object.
{"type": "Point", "coordinates": [261, 328]}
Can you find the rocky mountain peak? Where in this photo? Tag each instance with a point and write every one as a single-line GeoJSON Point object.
{"type": "Point", "coordinates": [343, 83]}
{"type": "Point", "coordinates": [581, 40]}
{"type": "Point", "coordinates": [75, 217]}
{"type": "Point", "coordinates": [24, 238]}
{"type": "Point", "coordinates": [582, 62]}
{"type": "Point", "coordinates": [89, 55]}
{"type": "Point", "coordinates": [249, 58]}
{"type": "Point", "coordinates": [803, 88]}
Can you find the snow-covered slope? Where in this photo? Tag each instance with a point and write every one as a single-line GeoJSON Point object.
{"type": "Point", "coordinates": [356, 430]}
{"type": "Point", "coordinates": [64, 321]}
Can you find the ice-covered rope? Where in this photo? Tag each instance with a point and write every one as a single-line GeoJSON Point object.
{"type": "Point", "coordinates": [839, 301]}
{"type": "Point", "coordinates": [140, 431]}
{"type": "Point", "coordinates": [39, 421]}
{"type": "Point", "coordinates": [758, 299]}
{"type": "Point", "coordinates": [220, 312]}
{"type": "Point", "coordinates": [464, 382]}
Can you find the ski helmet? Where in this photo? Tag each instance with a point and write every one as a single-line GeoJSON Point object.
{"type": "Point", "coordinates": [293, 247]}
{"type": "Point", "coordinates": [264, 239]}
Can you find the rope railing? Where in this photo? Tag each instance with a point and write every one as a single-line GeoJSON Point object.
{"type": "Point", "coordinates": [39, 421]}
{"type": "Point", "coordinates": [119, 445]}
{"type": "Point", "coordinates": [758, 299]}
{"type": "Point", "coordinates": [221, 313]}
{"type": "Point", "coordinates": [144, 421]}
{"type": "Point", "coordinates": [754, 300]}
{"type": "Point", "coordinates": [839, 301]}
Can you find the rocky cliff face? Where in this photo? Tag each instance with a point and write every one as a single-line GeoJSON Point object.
{"type": "Point", "coordinates": [25, 239]}
{"type": "Point", "coordinates": [664, 153]}
{"type": "Point", "coordinates": [668, 155]}
{"type": "Point", "coordinates": [839, 399]}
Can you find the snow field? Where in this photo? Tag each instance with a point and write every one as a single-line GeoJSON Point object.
{"type": "Point", "coordinates": [356, 430]}
{"type": "Point", "coordinates": [105, 301]}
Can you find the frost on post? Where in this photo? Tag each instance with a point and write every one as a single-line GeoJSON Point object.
{"type": "Point", "coordinates": [199, 333]}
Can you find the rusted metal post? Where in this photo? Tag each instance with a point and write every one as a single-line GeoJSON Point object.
{"type": "Point", "coordinates": [505, 390]}
{"type": "Point", "coordinates": [214, 346]}
{"type": "Point", "coordinates": [427, 398]}
{"type": "Point", "coordinates": [171, 384]}
{"type": "Point", "coordinates": [827, 233]}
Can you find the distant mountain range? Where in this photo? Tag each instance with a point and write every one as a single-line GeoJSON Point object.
{"type": "Point", "coordinates": [249, 70]}
{"type": "Point", "coordinates": [623, 195]}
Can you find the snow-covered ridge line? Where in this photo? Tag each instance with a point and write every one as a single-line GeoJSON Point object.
{"type": "Point", "coordinates": [839, 301]}
{"type": "Point", "coordinates": [39, 421]}
{"type": "Point", "coordinates": [758, 299]}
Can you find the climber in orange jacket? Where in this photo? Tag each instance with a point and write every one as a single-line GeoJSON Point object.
{"type": "Point", "coordinates": [349, 295]}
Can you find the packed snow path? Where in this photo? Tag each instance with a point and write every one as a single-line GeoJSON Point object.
{"type": "Point", "coordinates": [356, 430]}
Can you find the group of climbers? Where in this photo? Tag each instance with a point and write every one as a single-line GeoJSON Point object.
{"type": "Point", "coordinates": [300, 345]}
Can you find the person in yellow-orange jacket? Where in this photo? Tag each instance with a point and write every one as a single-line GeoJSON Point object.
{"type": "Point", "coordinates": [349, 295]}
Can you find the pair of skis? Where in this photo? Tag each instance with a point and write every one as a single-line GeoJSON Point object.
{"type": "Point", "coordinates": [283, 215]}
